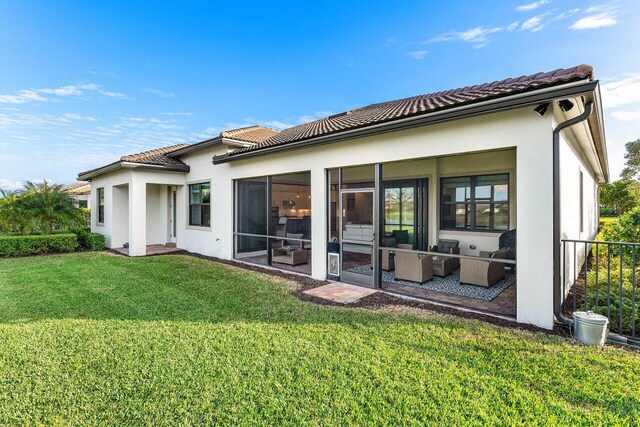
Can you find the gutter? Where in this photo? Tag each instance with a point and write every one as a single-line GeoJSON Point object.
{"type": "Point", "coordinates": [129, 165]}
{"type": "Point", "coordinates": [209, 143]}
{"type": "Point", "coordinates": [195, 147]}
{"type": "Point", "coordinates": [557, 297]}
{"type": "Point", "coordinates": [569, 90]}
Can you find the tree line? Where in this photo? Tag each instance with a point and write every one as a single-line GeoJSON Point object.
{"type": "Point", "coordinates": [619, 197]}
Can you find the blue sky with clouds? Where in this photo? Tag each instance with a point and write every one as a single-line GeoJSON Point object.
{"type": "Point", "coordinates": [83, 83]}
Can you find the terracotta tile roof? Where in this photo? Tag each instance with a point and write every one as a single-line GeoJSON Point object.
{"type": "Point", "coordinates": [156, 157]}
{"type": "Point", "coordinates": [253, 134]}
{"type": "Point", "coordinates": [76, 188]}
{"type": "Point", "coordinates": [263, 137]}
{"type": "Point", "coordinates": [422, 104]}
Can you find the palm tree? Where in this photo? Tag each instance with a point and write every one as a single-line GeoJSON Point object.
{"type": "Point", "coordinates": [13, 218]}
{"type": "Point", "coordinates": [48, 208]}
{"type": "Point", "coordinates": [38, 206]}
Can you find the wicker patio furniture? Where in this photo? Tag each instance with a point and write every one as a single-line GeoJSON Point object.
{"type": "Point", "coordinates": [443, 265]}
{"type": "Point", "coordinates": [290, 252]}
{"type": "Point", "coordinates": [412, 266]}
{"type": "Point", "coordinates": [289, 256]}
{"type": "Point", "coordinates": [482, 272]}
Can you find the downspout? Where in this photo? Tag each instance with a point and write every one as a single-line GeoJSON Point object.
{"type": "Point", "coordinates": [557, 297]}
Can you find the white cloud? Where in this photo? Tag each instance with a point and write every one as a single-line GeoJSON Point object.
{"type": "Point", "coordinates": [531, 6]}
{"type": "Point", "coordinates": [110, 94]}
{"type": "Point", "coordinates": [513, 26]}
{"type": "Point", "coordinates": [315, 116]}
{"type": "Point", "coordinates": [213, 131]}
{"type": "Point", "coordinates": [478, 36]}
{"type": "Point", "coordinates": [22, 97]}
{"type": "Point", "coordinates": [158, 92]}
{"type": "Point", "coordinates": [177, 113]}
{"type": "Point", "coordinates": [566, 14]}
{"type": "Point", "coordinates": [36, 95]}
{"type": "Point", "coordinates": [391, 41]}
{"type": "Point", "coordinates": [621, 91]}
{"type": "Point", "coordinates": [74, 116]}
{"type": "Point", "coordinates": [274, 124]}
{"type": "Point", "coordinates": [63, 91]}
{"type": "Point", "coordinates": [600, 20]}
{"type": "Point", "coordinates": [598, 8]}
{"type": "Point", "coordinates": [23, 120]}
{"type": "Point", "coordinates": [418, 54]}
{"type": "Point", "coordinates": [626, 116]}
{"type": "Point", "coordinates": [532, 24]}
{"type": "Point", "coordinates": [8, 184]}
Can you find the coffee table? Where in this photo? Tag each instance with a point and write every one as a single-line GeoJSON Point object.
{"type": "Point", "coordinates": [444, 266]}
{"type": "Point", "coordinates": [289, 256]}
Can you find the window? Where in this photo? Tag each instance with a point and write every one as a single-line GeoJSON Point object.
{"type": "Point", "coordinates": [475, 203]}
{"type": "Point", "coordinates": [101, 205]}
{"type": "Point", "coordinates": [199, 205]}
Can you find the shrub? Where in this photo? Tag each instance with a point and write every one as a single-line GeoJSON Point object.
{"type": "Point", "coordinates": [15, 246]}
{"type": "Point", "coordinates": [88, 240]}
{"type": "Point", "coordinates": [95, 242]}
{"type": "Point", "coordinates": [607, 212]}
{"type": "Point", "coordinates": [627, 229]}
{"type": "Point", "coordinates": [610, 289]}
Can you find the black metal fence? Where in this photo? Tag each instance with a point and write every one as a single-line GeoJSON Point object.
{"type": "Point", "coordinates": [601, 277]}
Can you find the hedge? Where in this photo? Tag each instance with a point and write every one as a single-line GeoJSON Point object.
{"type": "Point", "coordinates": [94, 242]}
{"type": "Point", "coordinates": [14, 246]}
{"type": "Point", "coordinates": [90, 241]}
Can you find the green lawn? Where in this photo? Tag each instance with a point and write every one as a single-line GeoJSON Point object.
{"type": "Point", "coordinates": [94, 338]}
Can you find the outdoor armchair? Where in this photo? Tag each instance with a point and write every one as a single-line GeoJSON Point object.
{"type": "Point", "coordinates": [413, 266]}
{"type": "Point", "coordinates": [482, 272]}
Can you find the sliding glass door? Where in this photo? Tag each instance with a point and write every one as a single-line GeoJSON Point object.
{"type": "Point", "coordinates": [251, 226]}
{"type": "Point", "coordinates": [366, 213]}
{"type": "Point", "coordinates": [273, 221]}
{"type": "Point", "coordinates": [405, 212]}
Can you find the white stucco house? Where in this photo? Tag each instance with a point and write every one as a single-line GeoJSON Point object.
{"type": "Point", "coordinates": [363, 196]}
{"type": "Point", "coordinates": [80, 192]}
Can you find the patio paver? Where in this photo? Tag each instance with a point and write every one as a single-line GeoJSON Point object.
{"type": "Point", "coordinates": [152, 250]}
{"type": "Point", "coordinates": [341, 292]}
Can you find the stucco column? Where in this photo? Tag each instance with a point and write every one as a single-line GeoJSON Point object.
{"type": "Point", "coordinates": [534, 199]}
{"type": "Point", "coordinates": [318, 224]}
{"type": "Point", "coordinates": [137, 217]}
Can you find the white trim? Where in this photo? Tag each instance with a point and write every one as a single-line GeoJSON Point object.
{"type": "Point", "coordinates": [198, 227]}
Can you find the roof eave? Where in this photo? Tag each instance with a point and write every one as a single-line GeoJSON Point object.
{"type": "Point", "coordinates": [596, 123]}
{"type": "Point", "coordinates": [112, 167]}
{"type": "Point", "coordinates": [218, 140]}
{"type": "Point", "coordinates": [548, 94]}
{"type": "Point", "coordinates": [237, 142]}
{"type": "Point", "coordinates": [195, 147]}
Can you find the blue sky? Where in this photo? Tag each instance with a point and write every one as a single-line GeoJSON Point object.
{"type": "Point", "coordinates": [83, 83]}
